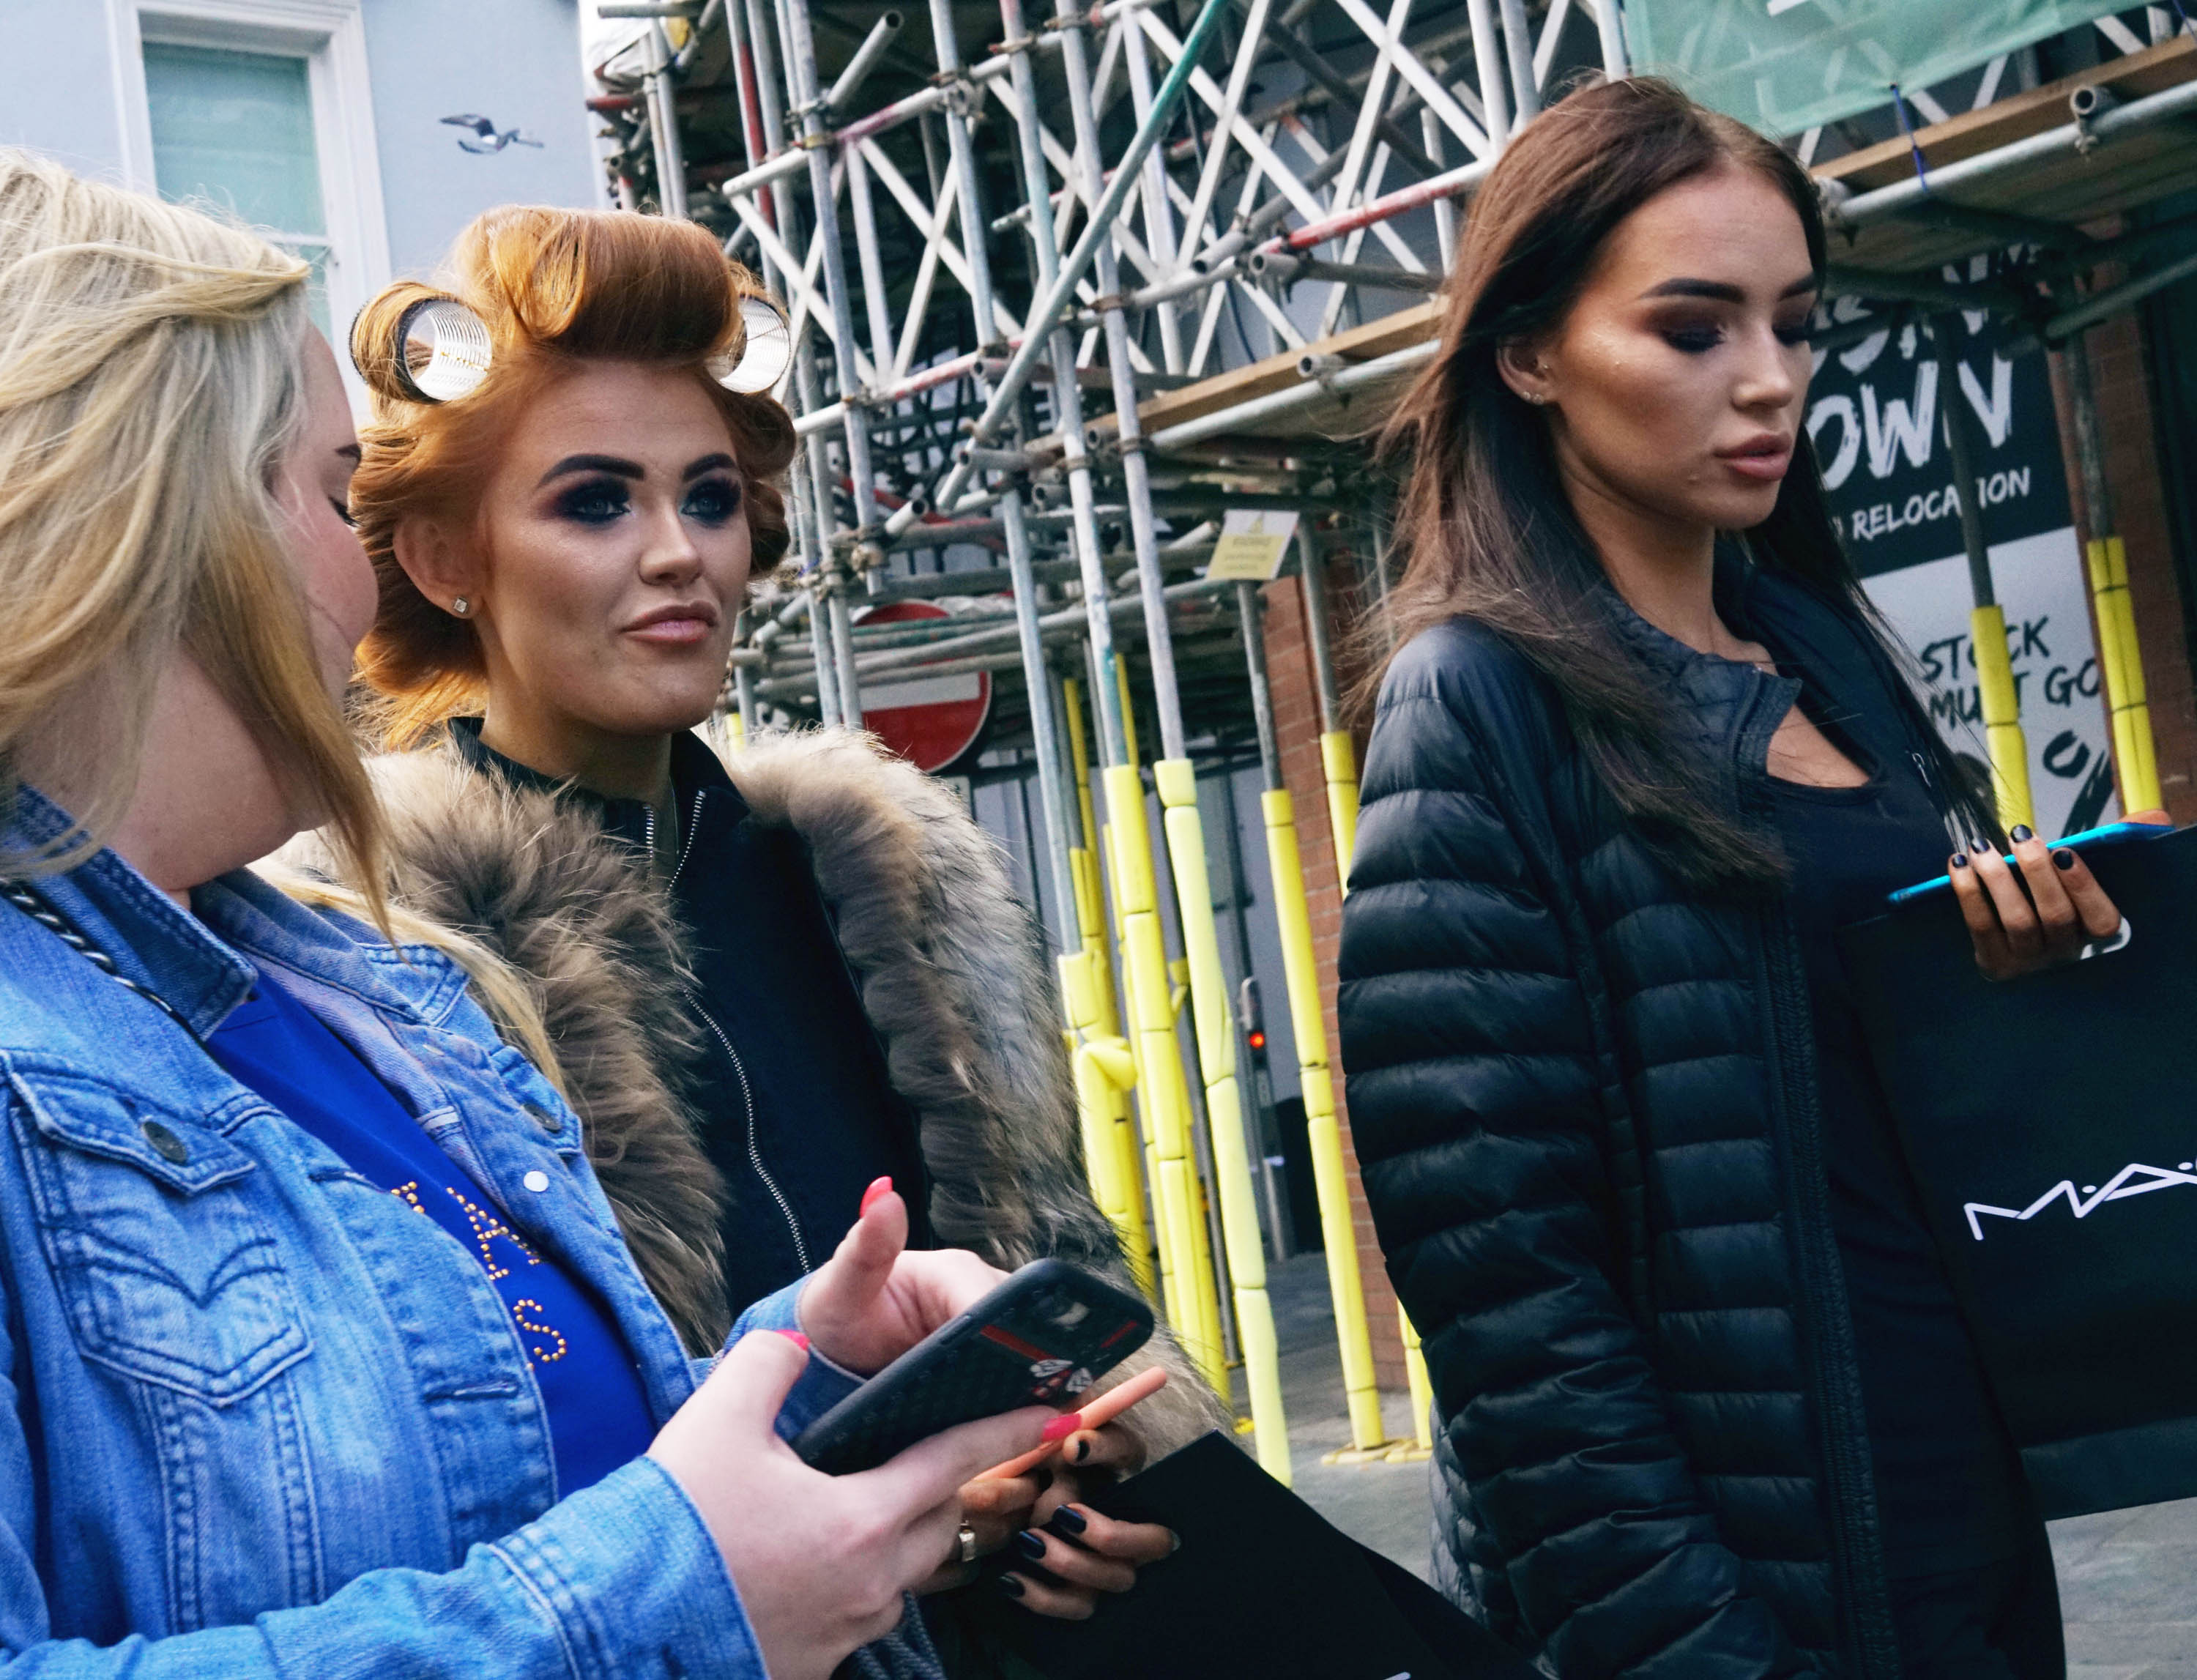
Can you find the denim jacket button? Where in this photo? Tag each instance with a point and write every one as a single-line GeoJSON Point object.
{"type": "Point", "coordinates": [165, 1142]}
{"type": "Point", "coordinates": [538, 1180]}
{"type": "Point", "coordinates": [543, 1118]}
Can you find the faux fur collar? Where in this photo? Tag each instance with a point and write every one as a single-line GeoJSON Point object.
{"type": "Point", "coordinates": [949, 963]}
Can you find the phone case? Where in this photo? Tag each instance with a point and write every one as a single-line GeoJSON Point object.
{"type": "Point", "coordinates": [1041, 1338]}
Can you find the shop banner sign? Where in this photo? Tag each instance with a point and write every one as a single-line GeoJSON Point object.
{"type": "Point", "coordinates": [1875, 417]}
{"type": "Point", "coordinates": [1788, 65]}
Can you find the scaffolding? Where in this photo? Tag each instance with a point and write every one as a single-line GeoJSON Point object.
{"type": "Point", "coordinates": [1065, 292]}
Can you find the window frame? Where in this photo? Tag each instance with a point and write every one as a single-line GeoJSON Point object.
{"type": "Point", "coordinates": [330, 35]}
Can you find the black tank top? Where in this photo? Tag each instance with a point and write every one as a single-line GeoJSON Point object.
{"type": "Point", "coordinates": [1946, 1473]}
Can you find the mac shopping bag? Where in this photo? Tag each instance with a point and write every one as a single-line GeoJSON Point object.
{"type": "Point", "coordinates": [2051, 1124]}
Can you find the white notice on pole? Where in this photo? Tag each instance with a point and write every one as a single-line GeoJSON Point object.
{"type": "Point", "coordinates": [1253, 541]}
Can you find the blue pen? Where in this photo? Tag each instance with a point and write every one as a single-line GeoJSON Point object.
{"type": "Point", "coordinates": [2086, 840]}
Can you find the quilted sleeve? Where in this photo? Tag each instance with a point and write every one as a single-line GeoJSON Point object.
{"type": "Point", "coordinates": [1476, 1104]}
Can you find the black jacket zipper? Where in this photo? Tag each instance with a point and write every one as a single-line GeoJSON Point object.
{"type": "Point", "coordinates": [1826, 1326]}
{"type": "Point", "coordinates": [724, 1040]}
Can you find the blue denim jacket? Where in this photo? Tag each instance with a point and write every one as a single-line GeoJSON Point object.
{"type": "Point", "coordinates": [256, 1419]}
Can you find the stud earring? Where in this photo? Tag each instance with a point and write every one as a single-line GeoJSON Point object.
{"type": "Point", "coordinates": [460, 606]}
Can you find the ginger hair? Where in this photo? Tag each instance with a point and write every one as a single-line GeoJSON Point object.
{"type": "Point", "coordinates": [556, 288]}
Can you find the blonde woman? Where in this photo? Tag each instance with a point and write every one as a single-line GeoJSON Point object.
{"type": "Point", "coordinates": [323, 1353]}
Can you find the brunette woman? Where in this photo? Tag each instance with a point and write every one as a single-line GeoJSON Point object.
{"type": "Point", "coordinates": [1707, 1407]}
{"type": "Point", "coordinates": [773, 984]}
{"type": "Point", "coordinates": [323, 1354]}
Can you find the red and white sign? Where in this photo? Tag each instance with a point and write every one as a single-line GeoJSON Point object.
{"type": "Point", "coordinates": [929, 720]}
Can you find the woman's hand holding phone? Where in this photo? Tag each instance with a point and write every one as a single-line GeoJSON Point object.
{"type": "Point", "coordinates": [874, 1299]}
{"type": "Point", "coordinates": [821, 1561]}
{"type": "Point", "coordinates": [2043, 917]}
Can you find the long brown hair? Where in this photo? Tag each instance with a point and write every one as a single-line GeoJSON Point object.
{"type": "Point", "coordinates": [1484, 520]}
{"type": "Point", "coordinates": [555, 288]}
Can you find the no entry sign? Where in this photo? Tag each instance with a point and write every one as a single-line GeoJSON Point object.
{"type": "Point", "coordinates": [931, 721]}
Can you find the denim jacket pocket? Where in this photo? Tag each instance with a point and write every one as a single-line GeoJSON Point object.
{"type": "Point", "coordinates": [164, 1270]}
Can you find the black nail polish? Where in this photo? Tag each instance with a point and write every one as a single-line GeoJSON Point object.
{"type": "Point", "coordinates": [1010, 1584]}
{"type": "Point", "coordinates": [1082, 1452]}
{"type": "Point", "coordinates": [1031, 1546]}
{"type": "Point", "coordinates": [2021, 831]}
{"type": "Point", "coordinates": [1067, 1521]}
{"type": "Point", "coordinates": [1959, 860]}
{"type": "Point", "coordinates": [2065, 859]}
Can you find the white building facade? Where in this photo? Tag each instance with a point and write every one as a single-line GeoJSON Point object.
{"type": "Point", "coordinates": [318, 120]}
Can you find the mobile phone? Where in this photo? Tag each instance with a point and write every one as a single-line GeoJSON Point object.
{"type": "Point", "coordinates": [2090, 840]}
{"type": "Point", "coordinates": [1041, 1338]}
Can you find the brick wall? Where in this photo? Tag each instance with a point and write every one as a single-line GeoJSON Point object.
{"type": "Point", "coordinates": [2121, 377]}
{"type": "Point", "coordinates": [1297, 728]}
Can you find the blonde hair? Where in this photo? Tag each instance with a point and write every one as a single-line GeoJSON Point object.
{"type": "Point", "coordinates": [556, 288]}
{"type": "Point", "coordinates": [150, 373]}
{"type": "Point", "coordinates": [150, 383]}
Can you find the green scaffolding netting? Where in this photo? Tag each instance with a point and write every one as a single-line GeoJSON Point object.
{"type": "Point", "coordinates": [1788, 65]}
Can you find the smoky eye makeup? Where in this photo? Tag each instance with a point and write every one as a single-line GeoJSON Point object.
{"type": "Point", "coordinates": [592, 501]}
{"type": "Point", "coordinates": [714, 501]}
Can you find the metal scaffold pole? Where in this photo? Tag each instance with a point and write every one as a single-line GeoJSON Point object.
{"type": "Point", "coordinates": [816, 141]}
{"type": "Point", "coordinates": [1176, 779]}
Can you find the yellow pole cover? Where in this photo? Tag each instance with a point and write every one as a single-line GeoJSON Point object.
{"type": "Point", "coordinates": [1423, 1388]}
{"type": "Point", "coordinates": [2121, 658]}
{"type": "Point", "coordinates": [1340, 760]}
{"type": "Point", "coordinates": [1166, 1105]}
{"type": "Point", "coordinates": [1216, 1029]}
{"type": "Point", "coordinates": [2002, 712]}
{"type": "Point", "coordinates": [1330, 1184]}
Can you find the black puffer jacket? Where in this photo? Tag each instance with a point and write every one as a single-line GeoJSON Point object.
{"type": "Point", "coordinates": [1584, 1100]}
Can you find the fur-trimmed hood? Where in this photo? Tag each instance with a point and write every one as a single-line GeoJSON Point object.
{"type": "Point", "coordinates": [950, 969]}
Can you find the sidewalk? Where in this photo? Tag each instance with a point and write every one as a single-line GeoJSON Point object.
{"type": "Point", "coordinates": [2128, 1580]}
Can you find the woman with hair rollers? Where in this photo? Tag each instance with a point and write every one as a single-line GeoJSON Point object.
{"type": "Point", "coordinates": [1707, 1407]}
{"type": "Point", "coordinates": [323, 1353]}
{"type": "Point", "coordinates": [774, 986]}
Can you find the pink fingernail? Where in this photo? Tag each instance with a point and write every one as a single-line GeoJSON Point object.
{"type": "Point", "coordinates": [878, 1187]}
{"type": "Point", "coordinates": [796, 1339]}
{"type": "Point", "coordinates": [1061, 1428]}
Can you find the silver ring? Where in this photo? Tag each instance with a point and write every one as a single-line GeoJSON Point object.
{"type": "Point", "coordinates": [967, 1547]}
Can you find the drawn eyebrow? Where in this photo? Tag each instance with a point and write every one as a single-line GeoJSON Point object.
{"type": "Point", "coordinates": [708, 464]}
{"type": "Point", "coordinates": [616, 464]}
{"type": "Point", "coordinates": [1718, 292]}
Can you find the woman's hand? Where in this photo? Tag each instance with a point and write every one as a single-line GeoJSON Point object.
{"type": "Point", "coordinates": [996, 1509]}
{"type": "Point", "coordinates": [2038, 921]}
{"type": "Point", "coordinates": [871, 1301]}
{"type": "Point", "coordinates": [1083, 1553]}
{"type": "Point", "coordinates": [820, 1562]}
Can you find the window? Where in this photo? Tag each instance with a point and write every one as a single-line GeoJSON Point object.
{"type": "Point", "coordinates": [235, 129]}
{"type": "Point", "coordinates": [263, 108]}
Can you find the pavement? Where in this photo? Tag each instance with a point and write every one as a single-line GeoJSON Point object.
{"type": "Point", "coordinates": [2128, 1580]}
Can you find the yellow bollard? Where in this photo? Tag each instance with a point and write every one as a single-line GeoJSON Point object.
{"type": "Point", "coordinates": [2002, 713]}
{"type": "Point", "coordinates": [1165, 1097]}
{"type": "Point", "coordinates": [1346, 1290]}
{"type": "Point", "coordinates": [1339, 759]}
{"type": "Point", "coordinates": [1421, 1443]}
{"type": "Point", "coordinates": [2121, 659]}
{"type": "Point", "coordinates": [1177, 779]}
